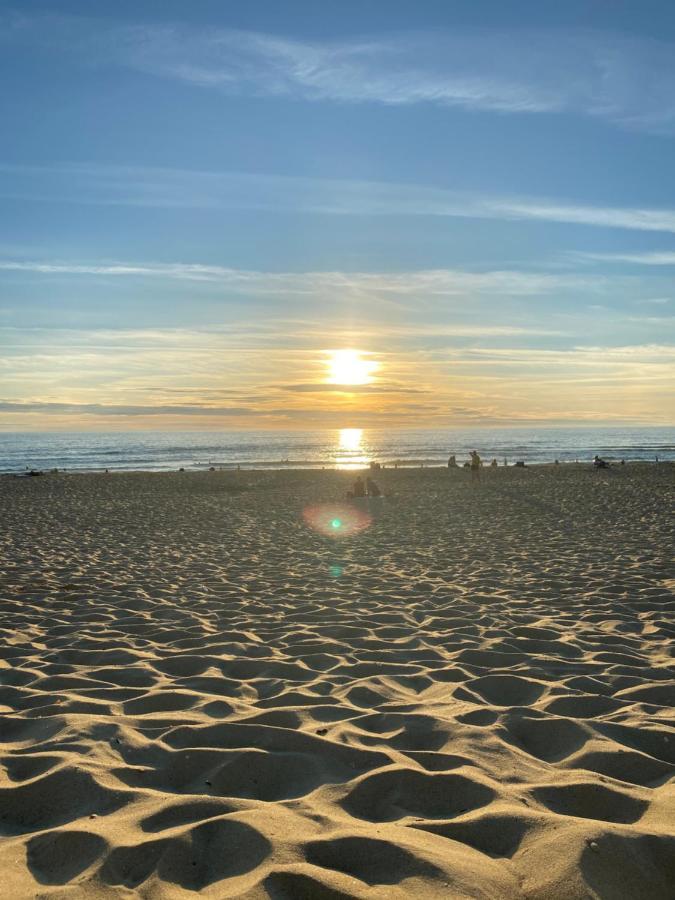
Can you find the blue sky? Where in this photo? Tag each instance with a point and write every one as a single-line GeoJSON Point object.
{"type": "Point", "coordinates": [198, 202]}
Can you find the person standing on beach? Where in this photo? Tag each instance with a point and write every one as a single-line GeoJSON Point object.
{"type": "Point", "coordinates": [475, 465]}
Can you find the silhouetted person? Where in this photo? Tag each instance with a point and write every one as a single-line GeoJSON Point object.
{"type": "Point", "coordinates": [494, 463]}
{"type": "Point", "coordinates": [373, 489]}
{"type": "Point", "coordinates": [600, 463]}
{"type": "Point", "coordinates": [475, 465]}
{"type": "Point", "coordinates": [452, 462]}
{"type": "Point", "coordinates": [359, 489]}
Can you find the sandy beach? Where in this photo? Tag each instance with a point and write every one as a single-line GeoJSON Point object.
{"type": "Point", "coordinates": [471, 696]}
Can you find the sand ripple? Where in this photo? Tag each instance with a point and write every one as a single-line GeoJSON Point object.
{"type": "Point", "coordinates": [473, 698]}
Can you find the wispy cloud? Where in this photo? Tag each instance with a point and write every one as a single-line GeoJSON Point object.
{"type": "Point", "coordinates": [604, 217]}
{"type": "Point", "coordinates": [430, 283]}
{"type": "Point", "coordinates": [587, 355]}
{"type": "Point", "coordinates": [160, 187]}
{"type": "Point", "coordinates": [661, 258]}
{"type": "Point", "coordinates": [627, 80]}
{"type": "Point", "coordinates": [102, 409]}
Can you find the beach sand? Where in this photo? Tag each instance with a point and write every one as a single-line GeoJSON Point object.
{"type": "Point", "coordinates": [470, 698]}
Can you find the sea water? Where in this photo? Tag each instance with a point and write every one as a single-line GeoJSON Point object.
{"type": "Point", "coordinates": [341, 448]}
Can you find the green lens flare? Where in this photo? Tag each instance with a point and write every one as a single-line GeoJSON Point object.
{"type": "Point", "coordinates": [336, 520]}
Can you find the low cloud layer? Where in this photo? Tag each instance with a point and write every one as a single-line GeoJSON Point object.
{"type": "Point", "coordinates": [102, 409]}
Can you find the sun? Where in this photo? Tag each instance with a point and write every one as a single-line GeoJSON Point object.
{"type": "Point", "coordinates": [349, 367]}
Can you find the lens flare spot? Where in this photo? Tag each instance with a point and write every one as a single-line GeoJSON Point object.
{"type": "Point", "coordinates": [336, 520]}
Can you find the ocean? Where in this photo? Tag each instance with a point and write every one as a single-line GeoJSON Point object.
{"type": "Point", "coordinates": [345, 448]}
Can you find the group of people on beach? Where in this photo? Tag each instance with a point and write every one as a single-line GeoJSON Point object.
{"type": "Point", "coordinates": [360, 489]}
{"type": "Point", "coordinates": [475, 464]}
{"type": "Point", "coordinates": [369, 488]}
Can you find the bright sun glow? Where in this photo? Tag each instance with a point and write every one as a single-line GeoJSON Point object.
{"type": "Point", "coordinates": [349, 367]}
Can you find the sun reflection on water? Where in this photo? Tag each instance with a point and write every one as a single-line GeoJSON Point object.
{"type": "Point", "coordinates": [351, 451]}
{"type": "Point", "coordinates": [350, 439]}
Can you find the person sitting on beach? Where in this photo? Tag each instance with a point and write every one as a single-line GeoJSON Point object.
{"type": "Point", "coordinates": [373, 489]}
{"type": "Point", "coordinates": [359, 489]}
{"type": "Point", "coordinates": [475, 465]}
{"type": "Point", "coordinates": [494, 463]}
{"type": "Point", "coordinates": [452, 462]}
{"type": "Point", "coordinates": [600, 463]}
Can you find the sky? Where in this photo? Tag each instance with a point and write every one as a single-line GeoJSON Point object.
{"type": "Point", "coordinates": [201, 202]}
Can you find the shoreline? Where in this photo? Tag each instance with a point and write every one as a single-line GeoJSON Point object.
{"type": "Point", "coordinates": [386, 467]}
